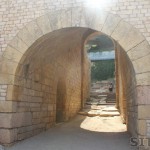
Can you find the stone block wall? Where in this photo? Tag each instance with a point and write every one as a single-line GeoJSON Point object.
{"type": "Point", "coordinates": [35, 90]}
{"type": "Point", "coordinates": [22, 22]}
{"type": "Point", "coordinates": [126, 90]}
{"type": "Point", "coordinates": [17, 13]}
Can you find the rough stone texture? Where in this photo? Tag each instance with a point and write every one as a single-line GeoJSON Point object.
{"type": "Point", "coordinates": [8, 135]}
{"type": "Point", "coordinates": [8, 120]}
{"type": "Point", "coordinates": [125, 89]}
{"type": "Point", "coordinates": [110, 24]}
{"type": "Point", "coordinates": [142, 127]}
{"type": "Point", "coordinates": [141, 65]}
{"type": "Point", "coordinates": [8, 106]}
{"type": "Point", "coordinates": [16, 14]}
{"type": "Point", "coordinates": [139, 51]}
{"type": "Point", "coordinates": [31, 84]}
{"type": "Point", "coordinates": [48, 84]}
{"type": "Point", "coordinates": [143, 94]}
{"type": "Point", "coordinates": [144, 111]}
{"type": "Point", "coordinates": [143, 78]}
{"type": "Point", "coordinates": [121, 30]}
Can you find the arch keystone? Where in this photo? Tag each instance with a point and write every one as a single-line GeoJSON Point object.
{"type": "Point", "coordinates": [121, 30]}
{"type": "Point", "coordinates": [110, 24]}
{"type": "Point", "coordinates": [87, 18]}
{"type": "Point", "coordinates": [76, 16]}
{"type": "Point", "coordinates": [55, 20]}
{"type": "Point", "coordinates": [66, 18]}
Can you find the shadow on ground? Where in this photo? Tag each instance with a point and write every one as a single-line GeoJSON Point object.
{"type": "Point", "coordinates": [70, 136]}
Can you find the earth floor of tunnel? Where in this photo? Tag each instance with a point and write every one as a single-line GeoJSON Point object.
{"type": "Point", "coordinates": [81, 133]}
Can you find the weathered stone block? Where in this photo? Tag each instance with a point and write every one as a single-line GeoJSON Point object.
{"type": "Point", "coordinates": [143, 111]}
{"type": "Point", "coordinates": [121, 30]}
{"type": "Point", "coordinates": [8, 135]}
{"type": "Point", "coordinates": [25, 135]}
{"type": "Point", "coordinates": [12, 54]}
{"type": "Point", "coordinates": [131, 39]}
{"type": "Point", "coordinates": [13, 92]}
{"type": "Point", "coordinates": [110, 24]}
{"type": "Point", "coordinates": [143, 79]}
{"type": "Point", "coordinates": [6, 78]}
{"type": "Point", "coordinates": [18, 44]}
{"type": "Point", "coordinates": [143, 94]}
{"type": "Point", "coordinates": [66, 18]}
{"type": "Point", "coordinates": [25, 129]}
{"type": "Point", "coordinates": [36, 114]}
{"type": "Point", "coordinates": [15, 120]}
{"type": "Point", "coordinates": [76, 16]}
{"type": "Point", "coordinates": [142, 128]}
{"type": "Point", "coordinates": [35, 132]}
{"type": "Point", "coordinates": [44, 24]}
{"type": "Point", "coordinates": [139, 67]}
{"type": "Point", "coordinates": [33, 28]}
{"type": "Point", "coordinates": [50, 107]}
{"type": "Point", "coordinates": [8, 67]}
{"type": "Point", "coordinates": [139, 51]}
{"type": "Point", "coordinates": [54, 19]}
{"type": "Point", "coordinates": [8, 106]}
{"type": "Point", "coordinates": [26, 36]}
{"type": "Point", "coordinates": [36, 121]}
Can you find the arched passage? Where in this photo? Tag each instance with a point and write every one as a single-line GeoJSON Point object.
{"type": "Point", "coordinates": [18, 52]}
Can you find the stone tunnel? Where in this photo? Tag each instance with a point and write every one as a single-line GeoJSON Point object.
{"type": "Point", "coordinates": [45, 73]}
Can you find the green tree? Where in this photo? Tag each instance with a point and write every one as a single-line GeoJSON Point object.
{"type": "Point", "coordinates": [102, 70]}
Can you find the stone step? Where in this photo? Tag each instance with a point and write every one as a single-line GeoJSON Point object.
{"type": "Point", "coordinates": [103, 111]}
{"type": "Point", "coordinates": [101, 114]}
{"type": "Point", "coordinates": [103, 103]}
{"type": "Point", "coordinates": [109, 114]}
{"type": "Point", "coordinates": [110, 109]}
{"type": "Point", "coordinates": [110, 101]}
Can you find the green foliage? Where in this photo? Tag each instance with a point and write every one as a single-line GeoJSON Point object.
{"type": "Point", "coordinates": [102, 70]}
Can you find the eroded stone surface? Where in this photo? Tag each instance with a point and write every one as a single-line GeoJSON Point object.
{"type": "Point", "coordinates": [139, 51]}
{"type": "Point", "coordinates": [110, 24]}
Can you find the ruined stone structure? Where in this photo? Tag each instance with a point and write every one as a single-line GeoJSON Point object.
{"type": "Point", "coordinates": [42, 52]}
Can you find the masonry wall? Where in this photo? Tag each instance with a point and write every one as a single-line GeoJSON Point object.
{"type": "Point", "coordinates": [17, 13]}
{"type": "Point", "coordinates": [126, 90]}
{"type": "Point", "coordinates": [55, 58]}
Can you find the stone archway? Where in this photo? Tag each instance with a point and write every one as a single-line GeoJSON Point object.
{"type": "Point", "coordinates": [130, 39]}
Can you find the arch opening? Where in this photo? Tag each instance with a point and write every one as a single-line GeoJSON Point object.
{"type": "Point", "coordinates": [52, 80]}
{"type": "Point", "coordinates": [32, 89]}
